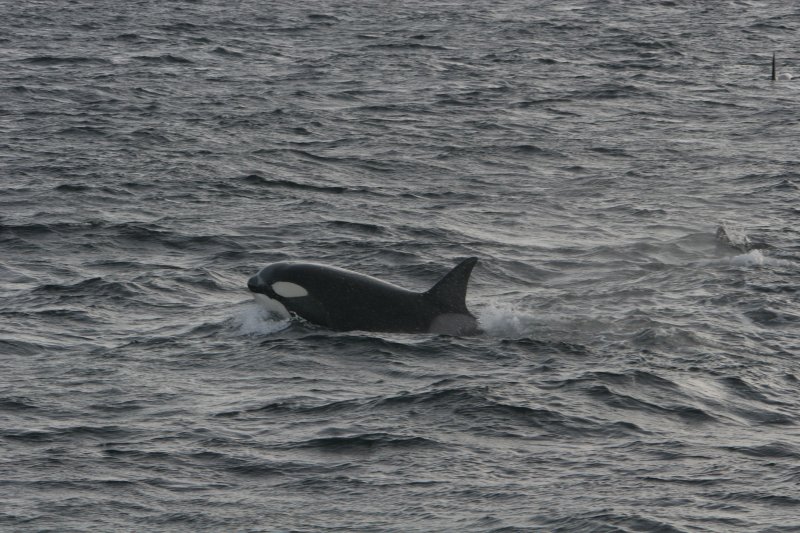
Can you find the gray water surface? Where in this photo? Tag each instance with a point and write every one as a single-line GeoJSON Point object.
{"type": "Point", "coordinates": [637, 373]}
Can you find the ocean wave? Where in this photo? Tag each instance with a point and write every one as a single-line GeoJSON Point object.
{"type": "Point", "coordinates": [64, 434]}
{"type": "Point", "coordinates": [255, 179]}
{"type": "Point", "coordinates": [608, 521]}
{"type": "Point", "coordinates": [774, 450]}
{"type": "Point", "coordinates": [16, 403]}
{"type": "Point", "coordinates": [364, 442]}
{"type": "Point", "coordinates": [63, 60]}
{"type": "Point", "coordinates": [684, 413]}
{"type": "Point", "coordinates": [94, 287]}
{"type": "Point", "coordinates": [227, 52]}
{"type": "Point", "coordinates": [167, 59]}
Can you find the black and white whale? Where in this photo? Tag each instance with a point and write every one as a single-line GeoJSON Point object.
{"type": "Point", "coordinates": [343, 300]}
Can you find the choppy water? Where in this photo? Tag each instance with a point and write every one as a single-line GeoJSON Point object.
{"type": "Point", "coordinates": [637, 372]}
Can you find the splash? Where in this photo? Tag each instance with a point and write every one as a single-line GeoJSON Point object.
{"type": "Point", "coordinates": [255, 319]}
{"type": "Point", "coordinates": [754, 258]}
{"type": "Point", "coordinates": [506, 321]}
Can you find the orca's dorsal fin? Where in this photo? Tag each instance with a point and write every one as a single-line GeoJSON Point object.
{"type": "Point", "coordinates": [450, 292]}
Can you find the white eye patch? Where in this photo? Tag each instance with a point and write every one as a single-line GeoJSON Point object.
{"type": "Point", "coordinates": [288, 289]}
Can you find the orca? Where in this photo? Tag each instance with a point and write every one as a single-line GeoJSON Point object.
{"type": "Point", "coordinates": [343, 300]}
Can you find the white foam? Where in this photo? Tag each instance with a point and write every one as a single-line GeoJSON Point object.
{"type": "Point", "coordinates": [751, 258]}
{"type": "Point", "coordinates": [273, 307]}
{"type": "Point", "coordinates": [754, 258]}
{"type": "Point", "coordinates": [505, 321]}
{"type": "Point", "coordinates": [255, 319]}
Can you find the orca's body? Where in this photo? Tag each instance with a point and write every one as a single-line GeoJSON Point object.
{"type": "Point", "coordinates": [343, 300]}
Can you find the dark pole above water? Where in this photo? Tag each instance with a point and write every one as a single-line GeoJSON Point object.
{"type": "Point", "coordinates": [773, 67]}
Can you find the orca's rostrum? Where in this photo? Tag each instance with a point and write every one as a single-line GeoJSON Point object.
{"type": "Point", "coordinates": [343, 300]}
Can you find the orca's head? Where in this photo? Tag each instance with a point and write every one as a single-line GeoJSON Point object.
{"type": "Point", "coordinates": [272, 288]}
